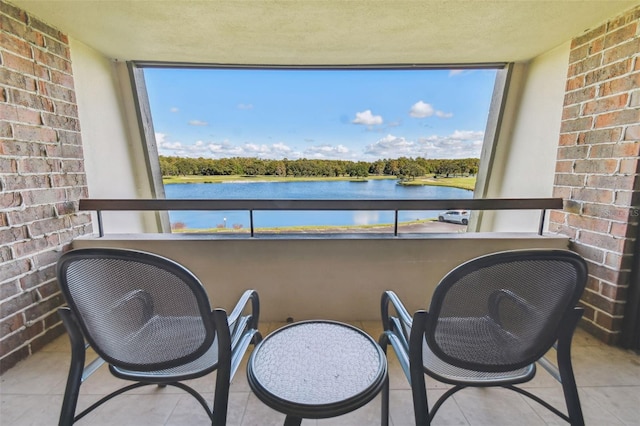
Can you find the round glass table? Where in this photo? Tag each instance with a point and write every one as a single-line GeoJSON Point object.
{"type": "Point", "coordinates": [318, 369]}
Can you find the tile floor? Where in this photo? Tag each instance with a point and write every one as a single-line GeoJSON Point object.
{"type": "Point", "coordinates": [608, 378]}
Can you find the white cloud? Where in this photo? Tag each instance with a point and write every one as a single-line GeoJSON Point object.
{"type": "Point", "coordinates": [198, 123]}
{"type": "Point", "coordinates": [245, 106]}
{"type": "Point", "coordinates": [391, 147]}
{"type": "Point", "coordinates": [367, 118]}
{"type": "Point", "coordinates": [223, 149]}
{"type": "Point", "coordinates": [421, 110]}
{"type": "Point", "coordinates": [459, 144]}
{"type": "Point", "coordinates": [441, 114]}
{"type": "Point", "coordinates": [328, 152]}
{"type": "Point", "coordinates": [174, 109]}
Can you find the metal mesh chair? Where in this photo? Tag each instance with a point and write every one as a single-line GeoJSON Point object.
{"type": "Point", "coordinates": [149, 318]}
{"type": "Point", "coordinates": [490, 321]}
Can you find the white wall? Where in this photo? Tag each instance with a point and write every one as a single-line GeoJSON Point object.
{"type": "Point", "coordinates": [527, 146]}
{"type": "Point", "coordinates": [114, 161]}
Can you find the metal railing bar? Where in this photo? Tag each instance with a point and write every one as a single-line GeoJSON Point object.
{"type": "Point", "coordinates": [285, 204]}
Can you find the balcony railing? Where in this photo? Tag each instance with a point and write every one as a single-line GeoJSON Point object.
{"type": "Point", "coordinates": [100, 205]}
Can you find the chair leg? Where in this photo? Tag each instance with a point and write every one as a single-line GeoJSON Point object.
{"type": "Point", "coordinates": [569, 387]}
{"type": "Point", "coordinates": [223, 374]}
{"type": "Point", "coordinates": [384, 415]}
{"type": "Point", "coordinates": [416, 369]}
{"type": "Point", "coordinates": [74, 380]}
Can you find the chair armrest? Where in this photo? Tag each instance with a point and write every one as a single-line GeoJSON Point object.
{"type": "Point", "coordinates": [403, 314]}
{"type": "Point", "coordinates": [247, 296]}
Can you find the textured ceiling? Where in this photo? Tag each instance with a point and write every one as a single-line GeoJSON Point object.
{"type": "Point", "coordinates": [324, 32]}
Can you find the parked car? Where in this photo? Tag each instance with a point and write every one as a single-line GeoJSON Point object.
{"type": "Point", "coordinates": [456, 216]}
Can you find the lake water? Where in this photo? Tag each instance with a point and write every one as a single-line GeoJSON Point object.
{"type": "Point", "coordinates": [372, 189]}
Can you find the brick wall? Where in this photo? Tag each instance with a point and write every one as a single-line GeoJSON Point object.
{"type": "Point", "coordinates": [597, 165]}
{"type": "Point", "coordinates": [41, 178]}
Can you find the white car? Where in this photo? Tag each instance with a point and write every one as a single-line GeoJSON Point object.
{"type": "Point", "coordinates": [456, 216]}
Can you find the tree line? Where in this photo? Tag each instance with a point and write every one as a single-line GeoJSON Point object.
{"type": "Point", "coordinates": [403, 167]}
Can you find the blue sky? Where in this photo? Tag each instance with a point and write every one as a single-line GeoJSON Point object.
{"type": "Point", "coordinates": [350, 115]}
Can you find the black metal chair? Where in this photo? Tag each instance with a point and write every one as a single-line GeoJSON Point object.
{"type": "Point", "coordinates": [490, 320]}
{"type": "Point", "coordinates": [149, 318]}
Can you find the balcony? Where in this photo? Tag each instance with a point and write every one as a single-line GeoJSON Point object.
{"type": "Point", "coordinates": [608, 380]}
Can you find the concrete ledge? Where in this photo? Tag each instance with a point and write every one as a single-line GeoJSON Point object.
{"type": "Point", "coordinates": [313, 276]}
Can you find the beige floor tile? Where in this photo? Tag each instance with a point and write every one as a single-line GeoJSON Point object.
{"type": "Point", "coordinates": [622, 402]}
{"type": "Point", "coordinates": [483, 406]}
{"type": "Point", "coordinates": [32, 410]}
{"type": "Point", "coordinates": [258, 414]}
{"type": "Point", "coordinates": [134, 410]}
{"type": "Point", "coordinates": [402, 412]}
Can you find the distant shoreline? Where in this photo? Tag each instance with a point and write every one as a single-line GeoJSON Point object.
{"type": "Point", "coordinates": [467, 182]}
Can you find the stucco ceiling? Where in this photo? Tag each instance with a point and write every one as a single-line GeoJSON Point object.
{"type": "Point", "coordinates": [324, 32]}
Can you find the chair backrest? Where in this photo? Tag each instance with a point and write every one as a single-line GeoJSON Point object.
{"type": "Point", "coordinates": [503, 311]}
{"type": "Point", "coordinates": [138, 310]}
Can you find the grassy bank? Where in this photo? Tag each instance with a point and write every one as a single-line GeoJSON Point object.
{"type": "Point", "coordinates": [468, 183]}
{"type": "Point", "coordinates": [302, 229]}
{"type": "Point", "coordinates": [458, 182]}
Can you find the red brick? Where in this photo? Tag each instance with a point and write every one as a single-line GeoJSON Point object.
{"type": "Point", "coordinates": [30, 214]}
{"type": "Point", "coordinates": [632, 133]}
{"type": "Point", "coordinates": [11, 270]}
{"type": "Point", "coordinates": [578, 53]}
{"type": "Point", "coordinates": [619, 230]}
{"type": "Point", "coordinates": [597, 136]}
{"type": "Point", "coordinates": [15, 45]}
{"type": "Point", "coordinates": [608, 212]}
{"type": "Point", "coordinates": [72, 151]}
{"type": "Point", "coordinates": [576, 125]}
{"type": "Point", "coordinates": [579, 96]}
{"type": "Point", "coordinates": [588, 36]}
{"type": "Point", "coordinates": [15, 182]}
{"type": "Point", "coordinates": [600, 195]}
{"type": "Point", "coordinates": [62, 79]}
{"type": "Point", "coordinates": [35, 245]}
{"type": "Point", "coordinates": [604, 274]}
{"type": "Point", "coordinates": [588, 223]}
{"type": "Point", "coordinates": [604, 166]}
{"type": "Point", "coordinates": [56, 92]}
{"type": "Point", "coordinates": [623, 84]}
{"type": "Point", "coordinates": [43, 196]}
{"type": "Point", "coordinates": [575, 83]}
{"type": "Point", "coordinates": [8, 112]}
{"type": "Point", "coordinates": [609, 322]}
{"type": "Point", "coordinates": [613, 182]}
{"type": "Point", "coordinates": [38, 165]}
{"type": "Point", "coordinates": [568, 179]}
{"type": "Point", "coordinates": [628, 166]}
{"type": "Point", "coordinates": [588, 64]}
{"type": "Point", "coordinates": [46, 29]}
{"type": "Point", "coordinates": [60, 122]}
{"type": "Point", "coordinates": [602, 303]}
{"type": "Point", "coordinates": [571, 112]}
{"type": "Point", "coordinates": [608, 72]}
{"type": "Point", "coordinates": [623, 51]}
{"type": "Point", "coordinates": [6, 131]}
{"type": "Point", "coordinates": [34, 134]}
{"type": "Point", "coordinates": [568, 139]}
{"type": "Point", "coordinates": [620, 35]}
{"type": "Point", "coordinates": [13, 12]}
{"type": "Point", "coordinates": [617, 118]}
{"type": "Point", "coordinates": [18, 63]}
{"type": "Point", "coordinates": [52, 61]}
{"type": "Point", "coordinates": [564, 166]}
{"type": "Point", "coordinates": [593, 254]}
{"type": "Point", "coordinates": [29, 116]}
{"type": "Point", "coordinates": [10, 199]}
{"type": "Point", "coordinates": [596, 46]}
{"type": "Point", "coordinates": [611, 103]}
{"type": "Point", "coordinates": [573, 152]}
{"type": "Point", "coordinates": [38, 277]}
